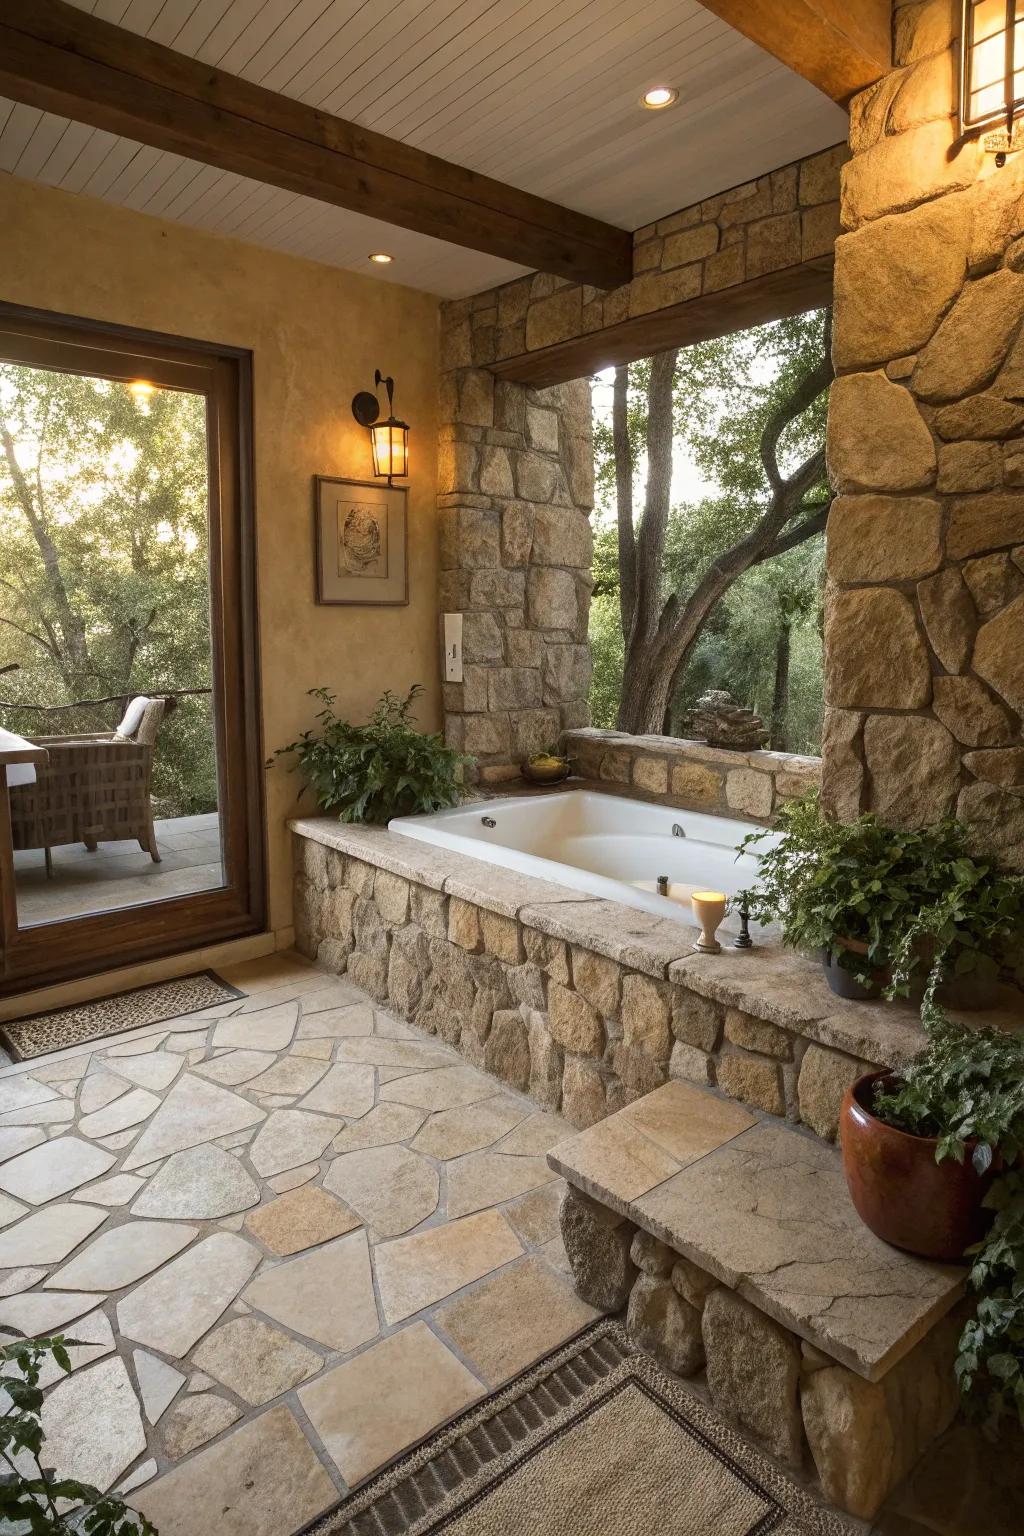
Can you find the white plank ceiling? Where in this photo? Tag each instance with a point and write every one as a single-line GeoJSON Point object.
{"type": "Point", "coordinates": [543, 94]}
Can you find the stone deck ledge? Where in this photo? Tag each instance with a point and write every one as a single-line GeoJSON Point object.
{"type": "Point", "coordinates": [768, 982]}
{"type": "Point", "coordinates": [764, 1209]}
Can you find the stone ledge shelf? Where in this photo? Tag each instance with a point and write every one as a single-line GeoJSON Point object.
{"type": "Point", "coordinates": [734, 1244]}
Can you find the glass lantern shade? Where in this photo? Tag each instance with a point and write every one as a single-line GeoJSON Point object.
{"type": "Point", "coordinates": [390, 442]}
{"type": "Point", "coordinates": [992, 83]}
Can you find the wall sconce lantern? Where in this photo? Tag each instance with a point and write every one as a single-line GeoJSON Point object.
{"type": "Point", "coordinates": [992, 73]}
{"type": "Point", "coordinates": [389, 439]}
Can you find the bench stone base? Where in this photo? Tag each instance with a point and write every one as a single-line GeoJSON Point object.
{"type": "Point", "coordinates": [862, 1437]}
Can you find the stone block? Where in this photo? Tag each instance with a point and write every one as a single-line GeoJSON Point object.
{"type": "Point", "coordinates": [546, 1063]}
{"type": "Point", "coordinates": [638, 1073]}
{"type": "Point", "coordinates": [464, 925]}
{"type": "Point", "coordinates": [409, 975]}
{"type": "Point", "coordinates": [486, 734]}
{"type": "Point", "coordinates": [651, 774]}
{"type": "Point", "coordinates": [650, 1256]}
{"type": "Point", "coordinates": [566, 673]}
{"type": "Point", "coordinates": [391, 893]}
{"type": "Point", "coordinates": [1005, 767]}
{"type": "Point", "coordinates": [497, 589]}
{"type": "Point", "coordinates": [773, 243]}
{"type": "Point", "coordinates": [749, 792]}
{"type": "Point", "coordinates": [696, 784]}
{"type": "Point", "coordinates": [481, 638]}
{"type": "Point", "coordinates": [533, 730]}
{"type": "Point", "coordinates": [554, 319]}
{"type": "Point", "coordinates": [597, 979]}
{"type": "Point", "coordinates": [597, 1243]}
{"type": "Point", "coordinates": [659, 290]}
{"type": "Point", "coordinates": [550, 954]}
{"type": "Point", "coordinates": [561, 536]}
{"type": "Point", "coordinates": [994, 580]}
{"type": "Point", "coordinates": [996, 823]}
{"type": "Point", "coordinates": [819, 230]}
{"type": "Point", "coordinates": [693, 1283]}
{"type": "Point", "coordinates": [429, 910]}
{"type": "Point", "coordinates": [496, 472]}
{"type": "Point", "coordinates": [574, 1023]}
{"type": "Point", "coordinates": [757, 1035]}
{"type": "Point", "coordinates": [885, 538]}
{"type": "Point", "coordinates": [972, 713]}
{"type": "Point", "coordinates": [819, 175]}
{"type": "Point", "coordinates": [999, 654]}
{"type": "Point", "coordinates": [688, 1064]}
{"type": "Point", "coordinates": [696, 1020]}
{"type": "Point", "coordinates": [551, 597]}
{"type": "Point", "coordinates": [538, 477]}
{"type": "Point", "coordinates": [924, 28]}
{"type": "Point", "coordinates": [584, 1099]}
{"type": "Point", "coordinates": [507, 1052]}
{"type": "Point", "coordinates": [724, 269]}
{"type": "Point", "coordinates": [970, 344]}
{"type": "Point", "coordinates": [980, 416]}
{"type": "Point", "coordinates": [501, 937]}
{"type": "Point", "coordinates": [689, 245]}
{"type": "Point", "coordinates": [665, 1325]}
{"type": "Point", "coordinates": [754, 1373]}
{"type": "Point", "coordinates": [646, 1012]}
{"type": "Point", "coordinates": [513, 688]}
{"type": "Point", "coordinates": [980, 524]}
{"type": "Point", "coordinates": [824, 1078]}
{"type": "Point", "coordinates": [877, 439]}
{"type": "Point", "coordinates": [968, 466]}
{"type": "Point", "coordinates": [865, 1436]}
{"type": "Point", "coordinates": [950, 618]}
{"type": "Point", "coordinates": [914, 768]}
{"type": "Point", "coordinates": [752, 1080]}
{"type": "Point", "coordinates": [874, 652]}
{"type": "Point", "coordinates": [516, 533]}
{"type": "Point", "coordinates": [906, 169]}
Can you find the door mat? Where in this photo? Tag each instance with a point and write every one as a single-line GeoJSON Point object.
{"type": "Point", "coordinates": [597, 1438]}
{"type": "Point", "coordinates": [58, 1028]}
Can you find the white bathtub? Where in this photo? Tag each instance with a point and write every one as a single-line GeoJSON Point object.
{"type": "Point", "coordinates": [603, 845]}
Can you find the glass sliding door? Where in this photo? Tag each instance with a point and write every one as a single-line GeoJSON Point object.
{"type": "Point", "coordinates": [127, 658]}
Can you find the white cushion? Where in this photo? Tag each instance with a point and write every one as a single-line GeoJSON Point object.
{"type": "Point", "coordinates": [133, 717]}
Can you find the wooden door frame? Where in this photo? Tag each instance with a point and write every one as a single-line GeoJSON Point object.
{"type": "Point", "coordinates": [83, 946]}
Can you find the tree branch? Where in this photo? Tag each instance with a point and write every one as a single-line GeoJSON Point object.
{"type": "Point", "coordinates": [623, 452]}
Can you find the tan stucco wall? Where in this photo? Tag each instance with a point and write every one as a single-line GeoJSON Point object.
{"type": "Point", "coordinates": [316, 335]}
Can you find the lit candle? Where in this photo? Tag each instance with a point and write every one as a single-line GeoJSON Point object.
{"type": "Point", "coordinates": [708, 909]}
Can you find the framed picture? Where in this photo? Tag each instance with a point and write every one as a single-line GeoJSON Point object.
{"type": "Point", "coordinates": [361, 529]}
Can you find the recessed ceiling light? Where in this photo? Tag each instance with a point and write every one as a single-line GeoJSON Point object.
{"type": "Point", "coordinates": [381, 258]}
{"type": "Point", "coordinates": [659, 96]}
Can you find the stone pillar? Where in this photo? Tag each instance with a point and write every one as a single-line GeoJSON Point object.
{"type": "Point", "coordinates": [924, 636]}
{"type": "Point", "coordinates": [516, 487]}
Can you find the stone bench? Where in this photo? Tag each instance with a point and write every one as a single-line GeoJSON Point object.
{"type": "Point", "coordinates": [734, 1245]}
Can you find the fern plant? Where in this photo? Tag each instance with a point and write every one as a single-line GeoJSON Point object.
{"type": "Point", "coordinates": [32, 1498]}
{"type": "Point", "coordinates": [378, 770]}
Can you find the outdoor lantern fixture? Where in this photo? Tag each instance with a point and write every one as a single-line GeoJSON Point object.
{"type": "Point", "coordinates": [992, 73]}
{"type": "Point", "coordinates": [389, 439]}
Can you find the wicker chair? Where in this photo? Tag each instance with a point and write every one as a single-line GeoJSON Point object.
{"type": "Point", "coordinates": [93, 789]}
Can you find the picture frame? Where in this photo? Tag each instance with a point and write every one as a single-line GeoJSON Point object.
{"type": "Point", "coordinates": [361, 532]}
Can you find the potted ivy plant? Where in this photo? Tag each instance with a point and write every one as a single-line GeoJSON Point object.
{"type": "Point", "coordinates": [932, 1158]}
{"type": "Point", "coordinates": [378, 770]}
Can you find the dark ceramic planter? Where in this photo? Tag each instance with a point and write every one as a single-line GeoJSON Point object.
{"type": "Point", "coordinates": [898, 1189]}
{"type": "Point", "coordinates": [843, 982]}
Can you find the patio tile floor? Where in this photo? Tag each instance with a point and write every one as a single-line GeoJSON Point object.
{"type": "Point", "coordinates": [254, 1343]}
{"type": "Point", "coordinates": [229, 1210]}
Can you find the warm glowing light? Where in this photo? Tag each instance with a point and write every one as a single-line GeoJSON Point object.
{"type": "Point", "coordinates": [992, 74]}
{"type": "Point", "coordinates": [659, 96]}
{"type": "Point", "coordinates": [390, 442]}
{"type": "Point", "coordinates": [141, 389]}
{"type": "Point", "coordinates": [381, 258]}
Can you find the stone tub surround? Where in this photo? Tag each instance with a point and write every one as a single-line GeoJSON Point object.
{"type": "Point", "coordinates": [734, 1245]}
{"type": "Point", "coordinates": [583, 1003]}
{"type": "Point", "coordinates": [692, 775]}
{"type": "Point", "coordinates": [925, 604]}
{"type": "Point", "coordinates": [300, 1144]}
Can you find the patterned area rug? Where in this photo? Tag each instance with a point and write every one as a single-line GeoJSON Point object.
{"type": "Point", "coordinates": [595, 1438]}
{"type": "Point", "coordinates": [61, 1027]}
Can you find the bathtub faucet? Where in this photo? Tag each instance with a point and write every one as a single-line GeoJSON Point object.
{"type": "Point", "coordinates": [677, 830]}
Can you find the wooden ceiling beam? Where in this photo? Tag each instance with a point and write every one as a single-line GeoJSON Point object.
{"type": "Point", "coordinates": [841, 46]}
{"type": "Point", "coordinates": [63, 60]}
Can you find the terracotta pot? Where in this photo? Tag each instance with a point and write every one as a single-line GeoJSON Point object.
{"type": "Point", "coordinates": [843, 982]}
{"type": "Point", "coordinates": [898, 1189]}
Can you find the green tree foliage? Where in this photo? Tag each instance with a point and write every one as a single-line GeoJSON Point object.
{"type": "Point", "coordinates": [103, 562]}
{"type": "Point", "coordinates": [725, 393]}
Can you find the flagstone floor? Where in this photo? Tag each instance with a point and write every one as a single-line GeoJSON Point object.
{"type": "Point", "coordinates": [292, 1236]}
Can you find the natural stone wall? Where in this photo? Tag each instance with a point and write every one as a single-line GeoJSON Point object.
{"type": "Point", "coordinates": [582, 1032]}
{"type": "Point", "coordinates": [780, 220]}
{"type": "Point", "coordinates": [693, 776]}
{"type": "Point", "coordinates": [861, 1437]}
{"type": "Point", "coordinates": [516, 485]}
{"type": "Point", "coordinates": [924, 640]}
